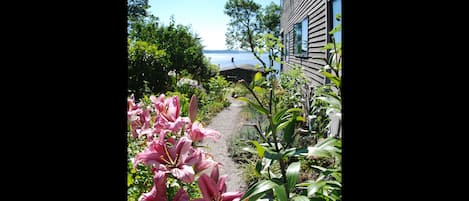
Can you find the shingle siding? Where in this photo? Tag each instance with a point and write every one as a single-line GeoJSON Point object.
{"type": "Point", "coordinates": [294, 11]}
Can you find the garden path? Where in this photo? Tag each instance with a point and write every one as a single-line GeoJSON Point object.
{"type": "Point", "coordinates": [228, 122]}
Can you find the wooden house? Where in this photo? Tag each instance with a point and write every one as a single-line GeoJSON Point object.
{"type": "Point", "coordinates": [238, 72]}
{"type": "Point", "coordinates": [304, 27]}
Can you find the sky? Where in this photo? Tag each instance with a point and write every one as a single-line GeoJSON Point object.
{"type": "Point", "coordinates": [206, 18]}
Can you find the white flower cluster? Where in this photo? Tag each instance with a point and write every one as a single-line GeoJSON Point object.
{"type": "Point", "coordinates": [184, 81]}
{"type": "Point", "coordinates": [172, 73]}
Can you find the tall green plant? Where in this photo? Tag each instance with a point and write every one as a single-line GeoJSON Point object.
{"type": "Point", "coordinates": [276, 145]}
{"type": "Point", "coordinates": [327, 105]}
{"type": "Point", "coordinates": [280, 154]}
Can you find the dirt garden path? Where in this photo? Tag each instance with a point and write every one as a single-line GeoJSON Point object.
{"type": "Point", "coordinates": [228, 122]}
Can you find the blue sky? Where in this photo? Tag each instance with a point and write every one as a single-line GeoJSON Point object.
{"type": "Point", "coordinates": [206, 17]}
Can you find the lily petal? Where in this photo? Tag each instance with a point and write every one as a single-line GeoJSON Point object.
{"type": "Point", "coordinates": [193, 108]}
{"type": "Point", "coordinates": [208, 187]}
{"type": "Point", "coordinates": [181, 195]}
{"type": "Point", "coordinates": [232, 196]}
{"type": "Point", "coordinates": [185, 173]}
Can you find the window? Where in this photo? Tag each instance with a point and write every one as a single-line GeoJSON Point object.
{"type": "Point", "coordinates": [300, 45]}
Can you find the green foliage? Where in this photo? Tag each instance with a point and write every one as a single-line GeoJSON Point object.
{"type": "Point", "coordinates": [271, 44]}
{"type": "Point", "coordinates": [326, 104]}
{"type": "Point", "coordinates": [293, 172]}
{"type": "Point", "coordinates": [218, 86]}
{"type": "Point", "coordinates": [138, 182]}
{"type": "Point", "coordinates": [281, 103]}
{"type": "Point", "coordinates": [248, 24]}
{"type": "Point", "coordinates": [328, 185]}
{"type": "Point", "coordinates": [319, 120]}
{"type": "Point", "coordinates": [259, 189]}
{"type": "Point", "coordinates": [185, 50]}
{"type": "Point", "coordinates": [276, 137]}
{"type": "Point", "coordinates": [156, 50]}
{"type": "Point", "coordinates": [137, 9]}
{"type": "Point", "coordinates": [146, 68]}
{"type": "Point", "coordinates": [293, 82]}
{"type": "Point", "coordinates": [239, 90]}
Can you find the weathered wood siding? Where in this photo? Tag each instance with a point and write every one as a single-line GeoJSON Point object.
{"type": "Point", "coordinates": [294, 11]}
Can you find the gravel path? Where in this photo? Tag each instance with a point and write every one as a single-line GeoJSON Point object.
{"type": "Point", "coordinates": [228, 123]}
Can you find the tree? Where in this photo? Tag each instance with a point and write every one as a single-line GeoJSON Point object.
{"type": "Point", "coordinates": [248, 23]}
{"type": "Point", "coordinates": [147, 68]}
{"type": "Point", "coordinates": [185, 50]}
{"type": "Point", "coordinates": [155, 49]}
{"type": "Point", "coordinates": [137, 9]}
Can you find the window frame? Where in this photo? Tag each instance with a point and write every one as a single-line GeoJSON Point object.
{"type": "Point", "coordinates": [300, 32]}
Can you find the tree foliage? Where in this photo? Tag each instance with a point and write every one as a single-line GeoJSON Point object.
{"type": "Point", "coordinates": [248, 22]}
{"type": "Point", "coordinates": [137, 8]}
{"type": "Point", "coordinates": [146, 67]}
{"type": "Point", "coordinates": [154, 50]}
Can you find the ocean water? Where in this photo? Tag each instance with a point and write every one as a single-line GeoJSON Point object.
{"type": "Point", "coordinates": [222, 58]}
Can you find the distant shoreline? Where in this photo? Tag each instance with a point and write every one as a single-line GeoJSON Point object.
{"type": "Point", "coordinates": [223, 51]}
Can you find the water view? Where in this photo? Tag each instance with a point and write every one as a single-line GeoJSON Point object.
{"type": "Point", "coordinates": [222, 58]}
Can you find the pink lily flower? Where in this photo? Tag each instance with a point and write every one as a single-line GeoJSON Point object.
{"type": "Point", "coordinates": [198, 133]}
{"type": "Point", "coordinates": [213, 188]}
{"type": "Point", "coordinates": [158, 191]}
{"type": "Point", "coordinates": [169, 159]}
{"type": "Point", "coordinates": [133, 115]}
{"type": "Point", "coordinates": [145, 124]}
{"type": "Point", "coordinates": [201, 160]}
{"type": "Point", "coordinates": [132, 108]}
{"type": "Point", "coordinates": [172, 108]}
{"type": "Point", "coordinates": [168, 112]}
{"type": "Point", "coordinates": [158, 103]}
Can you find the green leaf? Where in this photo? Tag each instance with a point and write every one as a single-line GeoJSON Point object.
{"type": "Point", "coordinates": [280, 193]}
{"type": "Point", "coordinates": [290, 130]}
{"type": "Point", "coordinates": [258, 189]}
{"type": "Point", "coordinates": [317, 152]}
{"type": "Point", "coordinates": [259, 167]}
{"type": "Point", "coordinates": [315, 187]}
{"type": "Point", "coordinates": [283, 125]}
{"type": "Point", "coordinates": [130, 180]}
{"type": "Point", "coordinates": [257, 77]}
{"type": "Point", "coordinates": [326, 148]}
{"type": "Point", "coordinates": [259, 89]}
{"type": "Point", "coordinates": [295, 152]}
{"type": "Point", "coordinates": [300, 198]}
{"type": "Point", "coordinates": [260, 149]}
{"type": "Point", "coordinates": [328, 46]}
{"type": "Point", "coordinates": [337, 17]}
{"type": "Point", "coordinates": [272, 155]}
{"type": "Point", "coordinates": [300, 118]}
{"type": "Point", "coordinates": [293, 171]}
{"type": "Point", "coordinates": [249, 149]}
{"type": "Point", "coordinates": [254, 105]}
{"type": "Point", "coordinates": [332, 77]}
{"type": "Point", "coordinates": [294, 110]}
{"type": "Point", "coordinates": [278, 115]}
{"type": "Point", "coordinates": [336, 29]}
{"type": "Point", "coordinates": [337, 176]}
